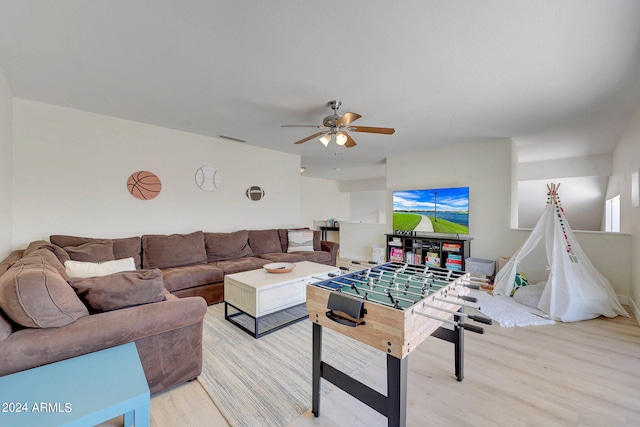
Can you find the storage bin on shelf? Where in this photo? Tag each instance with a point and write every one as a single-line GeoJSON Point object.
{"type": "Point", "coordinates": [483, 268]}
{"type": "Point", "coordinates": [479, 266]}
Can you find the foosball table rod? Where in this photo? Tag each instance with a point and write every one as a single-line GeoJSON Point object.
{"type": "Point", "coordinates": [479, 319]}
{"type": "Point", "coordinates": [466, 326]}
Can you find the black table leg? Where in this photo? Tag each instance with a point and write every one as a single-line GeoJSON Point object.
{"type": "Point", "coordinates": [396, 391]}
{"type": "Point", "coordinates": [317, 371]}
{"type": "Point", "coordinates": [459, 348]}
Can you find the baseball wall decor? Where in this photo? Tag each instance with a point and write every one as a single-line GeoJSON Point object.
{"type": "Point", "coordinates": [254, 193]}
{"type": "Point", "coordinates": [144, 185]}
{"type": "Point", "coordinates": [208, 178]}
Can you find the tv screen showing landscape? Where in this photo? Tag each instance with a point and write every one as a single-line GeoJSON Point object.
{"type": "Point", "coordinates": [438, 210]}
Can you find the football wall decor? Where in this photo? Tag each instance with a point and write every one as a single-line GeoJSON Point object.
{"type": "Point", "coordinates": [144, 185]}
{"type": "Point", "coordinates": [254, 193]}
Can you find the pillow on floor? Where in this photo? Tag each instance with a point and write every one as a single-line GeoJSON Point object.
{"type": "Point", "coordinates": [529, 295]}
{"type": "Point", "coordinates": [120, 290]}
{"type": "Point", "coordinates": [520, 281]}
{"type": "Point", "coordinates": [93, 269]}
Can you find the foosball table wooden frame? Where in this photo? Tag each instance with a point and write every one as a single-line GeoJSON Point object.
{"type": "Point", "coordinates": [393, 307]}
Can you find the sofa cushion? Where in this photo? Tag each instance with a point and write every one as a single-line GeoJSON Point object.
{"type": "Point", "coordinates": [320, 257]}
{"type": "Point", "coordinates": [40, 245]}
{"type": "Point", "coordinates": [93, 269]}
{"type": "Point", "coordinates": [97, 251]}
{"type": "Point", "coordinates": [175, 250]}
{"type": "Point", "coordinates": [231, 266]}
{"type": "Point", "coordinates": [300, 241]}
{"type": "Point", "coordinates": [264, 241]}
{"type": "Point", "coordinates": [35, 251]}
{"type": "Point", "coordinates": [122, 248]}
{"type": "Point", "coordinates": [222, 246]}
{"type": "Point", "coordinates": [190, 276]}
{"type": "Point", "coordinates": [120, 290]}
{"type": "Point", "coordinates": [5, 326]}
{"type": "Point", "coordinates": [10, 260]}
{"type": "Point", "coordinates": [35, 295]}
{"type": "Point", "coordinates": [283, 257]}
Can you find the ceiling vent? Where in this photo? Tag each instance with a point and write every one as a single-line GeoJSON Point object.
{"type": "Point", "coordinates": [232, 138]}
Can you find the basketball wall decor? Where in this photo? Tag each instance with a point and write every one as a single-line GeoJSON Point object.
{"type": "Point", "coordinates": [144, 185]}
{"type": "Point", "coordinates": [254, 193]}
{"type": "Point", "coordinates": [208, 178]}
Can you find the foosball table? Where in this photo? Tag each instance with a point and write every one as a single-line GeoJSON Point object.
{"type": "Point", "coordinates": [392, 307]}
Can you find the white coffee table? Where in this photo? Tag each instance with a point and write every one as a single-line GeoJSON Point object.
{"type": "Point", "coordinates": [258, 296]}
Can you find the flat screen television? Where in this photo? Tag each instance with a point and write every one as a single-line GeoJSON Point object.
{"type": "Point", "coordinates": [435, 210]}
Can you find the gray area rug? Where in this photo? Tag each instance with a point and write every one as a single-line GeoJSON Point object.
{"type": "Point", "coordinates": [267, 381]}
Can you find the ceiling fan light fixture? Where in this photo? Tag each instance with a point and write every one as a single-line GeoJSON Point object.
{"type": "Point", "coordinates": [325, 139]}
{"type": "Point", "coordinates": [341, 138]}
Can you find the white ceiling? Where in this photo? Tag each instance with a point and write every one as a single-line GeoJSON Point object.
{"type": "Point", "coordinates": [561, 77]}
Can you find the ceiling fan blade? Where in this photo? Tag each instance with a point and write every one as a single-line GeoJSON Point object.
{"type": "Point", "coordinates": [347, 118]}
{"type": "Point", "coordinates": [309, 137]}
{"type": "Point", "coordinates": [301, 126]}
{"type": "Point", "coordinates": [369, 129]}
{"type": "Point", "coordinates": [350, 142]}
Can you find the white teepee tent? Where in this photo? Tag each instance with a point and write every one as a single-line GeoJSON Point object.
{"type": "Point", "coordinates": [574, 289]}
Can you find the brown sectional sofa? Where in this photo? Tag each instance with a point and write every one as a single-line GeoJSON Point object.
{"type": "Point", "coordinates": [42, 319]}
{"type": "Point", "coordinates": [194, 264]}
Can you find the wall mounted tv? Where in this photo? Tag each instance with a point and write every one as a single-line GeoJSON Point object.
{"type": "Point", "coordinates": [437, 210]}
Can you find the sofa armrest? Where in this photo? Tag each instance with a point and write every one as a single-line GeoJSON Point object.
{"type": "Point", "coordinates": [9, 260]}
{"type": "Point", "coordinates": [31, 347]}
{"type": "Point", "coordinates": [333, 248]}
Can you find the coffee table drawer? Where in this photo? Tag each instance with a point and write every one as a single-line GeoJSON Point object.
{"type": "Point", "coordinates": [281, 297]}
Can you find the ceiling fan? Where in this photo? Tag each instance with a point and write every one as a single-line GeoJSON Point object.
{"type": "Point", "coordinates": [336, 126]}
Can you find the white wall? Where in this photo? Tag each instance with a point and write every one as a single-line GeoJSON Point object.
{"type": "Point", "coordinates": [584, 185]}
{"type": "Point", "coordinates": [369, 206]}
{"type": "Point", "coordinates": [71, 167]}
{"type": "Point", "coordinates": [484, 167]}
{"type": "Point", "coordinates": [357, 239]}
{"type": "Point", "coordinates": [321, 199]}
{"type": "Point", "coordinates": [6, 159]}
{"type": "Point", "coordinates": [626, 162]}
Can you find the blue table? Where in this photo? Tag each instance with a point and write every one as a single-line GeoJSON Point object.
{"type": "Point", "coordinates": [82, 391]}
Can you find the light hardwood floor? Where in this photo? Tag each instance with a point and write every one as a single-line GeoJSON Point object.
{"type": "Point", "coordinates": [568, 374]}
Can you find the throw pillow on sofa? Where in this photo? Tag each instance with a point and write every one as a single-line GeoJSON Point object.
{"type": "Point", "coordinates": [300, 241]}
{"type": "Point", "coordinates": [35, 295]}
{"type": "Point", "coordinates": [92, 269]}
{"type": "Point", "coordinates": [120, 290]}
{"type": "Point", "coordinates": [175, 250]}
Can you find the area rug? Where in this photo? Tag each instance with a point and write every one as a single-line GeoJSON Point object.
{"type": "Point", "coordinates": [509, 313]}
{"type": "Point", "coordinates": [267, 381]}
